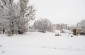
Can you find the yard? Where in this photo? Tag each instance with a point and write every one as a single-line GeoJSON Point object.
{"type": "Point", "coordinates": [35, 43]}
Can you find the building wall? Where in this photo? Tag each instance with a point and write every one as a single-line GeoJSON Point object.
{"type": "Point", "coordinates": [59, 26]}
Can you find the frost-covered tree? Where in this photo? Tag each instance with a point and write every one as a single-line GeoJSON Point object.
{"type": "Point", "coordinates": [43, 25]}
{"type": "Point", "coordinates": [4, 13]}
{"type": "Point", "coordinates": [82, 25]}
{"type": "Point", "coordinates": [15, 16]}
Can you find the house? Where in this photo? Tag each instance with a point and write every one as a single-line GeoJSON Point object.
{"type": "Point", "coordinates": [59, 26]}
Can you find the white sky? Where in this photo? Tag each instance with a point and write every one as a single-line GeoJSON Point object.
{"type": "Point", "coordinates": [60, 11]}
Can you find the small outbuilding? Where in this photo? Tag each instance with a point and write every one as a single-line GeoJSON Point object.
{"type": "Point", "coordinates": [74, 31]}
{"type": "Point", "coordinates": [78, 31]}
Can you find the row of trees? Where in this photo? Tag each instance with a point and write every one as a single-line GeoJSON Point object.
{"type": "Point", "coordinates": [44, 25]}
{"type": "Point", "coordinates": [14, 17]}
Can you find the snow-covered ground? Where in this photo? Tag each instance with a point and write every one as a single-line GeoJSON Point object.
{"type": "Point", "coordinates": [35, 43]}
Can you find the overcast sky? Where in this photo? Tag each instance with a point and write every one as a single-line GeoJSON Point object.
{"type": "Point", "coordinates": [60, 11]}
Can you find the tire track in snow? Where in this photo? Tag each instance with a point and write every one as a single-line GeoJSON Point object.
{"type": "Point", "coordinates": [70, 49]}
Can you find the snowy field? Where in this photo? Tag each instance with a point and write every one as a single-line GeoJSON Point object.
{"type": "Point", "coordinates": [35, 43]}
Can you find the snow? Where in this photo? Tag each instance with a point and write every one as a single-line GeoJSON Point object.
{"type": "Point", "coordinates": [36, 43]}
{"type": "Point", "coordinates": [57, 31]}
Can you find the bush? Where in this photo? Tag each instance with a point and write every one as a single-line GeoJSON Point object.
{"type": "Point", "coordinates": [82, 33]}
{"type": "Point", "coordinates": [57, 34]}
